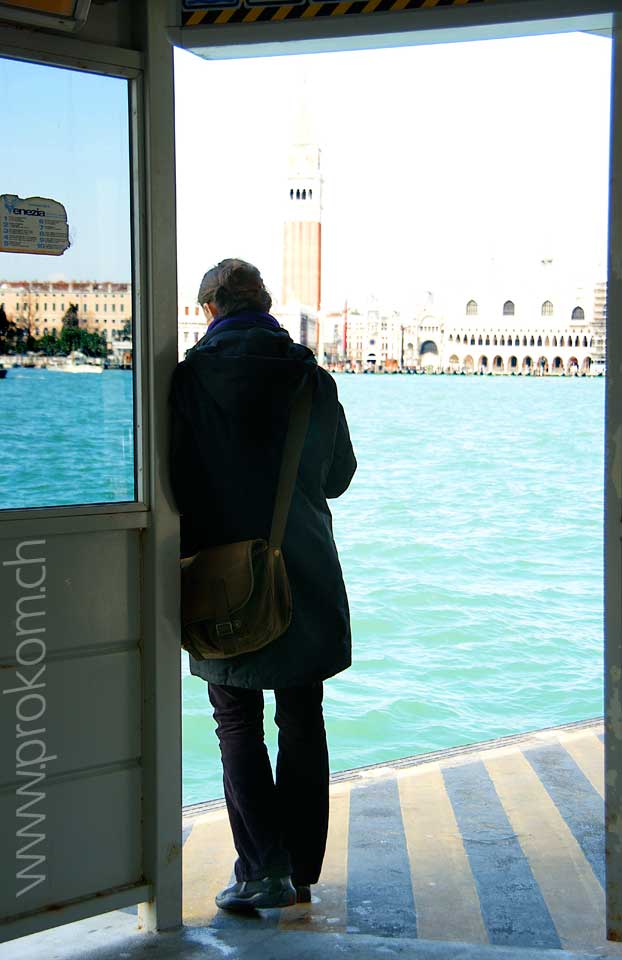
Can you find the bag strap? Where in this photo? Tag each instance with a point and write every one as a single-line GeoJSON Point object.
{"type": "Point", "coordinates": [294, 441]}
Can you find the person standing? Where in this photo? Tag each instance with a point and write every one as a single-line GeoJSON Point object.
{"type": "Point", "coordinates": [230, 400]}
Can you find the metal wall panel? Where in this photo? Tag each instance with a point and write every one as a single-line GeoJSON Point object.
{"type": "Point", "coordinates": [92, 841]}
{"type": "Point", "coordinates": [70, 715]}
{"type": "Point", "coordinates": [92, 715]}
{"type": "Point", "coordinates": [91, 597]}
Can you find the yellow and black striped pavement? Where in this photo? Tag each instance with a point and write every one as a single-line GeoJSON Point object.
{"type": "Point", "coordinates": [502, 844]}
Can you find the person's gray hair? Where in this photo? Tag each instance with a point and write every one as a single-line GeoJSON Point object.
{"type": "Point", "coordinates": [234, 285]}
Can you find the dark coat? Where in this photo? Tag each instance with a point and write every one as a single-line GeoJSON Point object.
{"type": "Point", "coordinates": [230, 401]}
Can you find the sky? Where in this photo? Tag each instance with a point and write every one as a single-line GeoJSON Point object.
{"type": "Point", "coordinates": [65, 137]}
{"type": "Point", "coordinates": [438, 162]}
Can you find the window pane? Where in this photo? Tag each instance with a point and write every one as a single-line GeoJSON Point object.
{"type": "Point", "coordinates": [66, 383]}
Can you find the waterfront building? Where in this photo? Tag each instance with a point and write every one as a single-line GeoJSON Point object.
{"type": "Point", "coordinates": [301, 323]}
{"type": "Point", "coordinates": [191, 325]}
{"type": "Point", "coordinates": [373, 336]}
{"type": "Point", "coordinates": [122, 354]}
{"type": "Point", "coordinates": [333, 331]}
{"type": "Point", "coordinates": [536, 322]}
{"type": "Point", "coordinates": [543, 322]}
{"type": "Point", "coordinates": [599, 322]}
{"type": "Point", "coordinates": [39, 306]}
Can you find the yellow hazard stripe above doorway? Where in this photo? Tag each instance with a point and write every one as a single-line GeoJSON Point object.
{"type": "Point", "coordinates": [195, 14]}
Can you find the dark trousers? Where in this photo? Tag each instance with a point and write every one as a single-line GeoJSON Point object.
{"type": "Point", "coordinates": [279, 824]}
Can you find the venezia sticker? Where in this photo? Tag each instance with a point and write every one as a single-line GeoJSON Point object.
{"type": "Point", "coordinates": [33, 225]}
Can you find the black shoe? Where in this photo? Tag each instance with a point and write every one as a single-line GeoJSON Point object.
{"type": "Point", "coordinates": [252, 894]}
{"type": "Point", "coordinates": [303, 893]}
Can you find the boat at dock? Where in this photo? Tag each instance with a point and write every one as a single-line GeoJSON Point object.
{"type": "Point", "coordinates": [76, 362]}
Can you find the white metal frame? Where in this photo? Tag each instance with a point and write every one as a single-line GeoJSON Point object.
{"type": "Point", "coordinates": [613, 511]}
{"type": "Point", "coordinates": [150, 81]}
{"type": "Point", "coordinates": [162, 660]}
{"type": "Point", "coordinates": [492, 21]}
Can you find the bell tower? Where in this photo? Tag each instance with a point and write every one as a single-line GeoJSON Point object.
{"type": "Point", "coordinates": [302, 231]}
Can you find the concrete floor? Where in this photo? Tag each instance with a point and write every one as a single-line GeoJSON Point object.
{"type": "Point", "coordinates": [493, 851]}
{"type": "Point", "coordinates": [111, 937]}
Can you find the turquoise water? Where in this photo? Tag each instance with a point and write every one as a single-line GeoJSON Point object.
{"type": "Point", "coordinates": [470, 538]}
{"type": "Point", "coordinates": [66, 438]}
{"type": "Point", "coordinates": [471, 544]}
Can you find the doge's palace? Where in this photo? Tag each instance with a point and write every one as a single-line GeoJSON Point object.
{"type": "Point", "coordinates": [541, 323]}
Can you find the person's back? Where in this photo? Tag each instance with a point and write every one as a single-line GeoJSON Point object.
{"type": "Point", "coordinates": [230, 403]}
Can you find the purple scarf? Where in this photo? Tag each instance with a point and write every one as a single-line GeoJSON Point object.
{"type": "Point", "coordinates": [253, 317]}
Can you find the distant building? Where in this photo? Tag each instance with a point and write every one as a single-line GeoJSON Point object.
{"type": "Point", "coordinates": [191, 325]}
{"type": "Point", "coordinates": [301, 323]}
{"type": "Point", "coordinates": [39, 306]}
{"type": "Point", "coordinates": [298, 309]}
{"type": "Point", "coordinates": [122, 353]}
{"type": "Point", "coordinates": [599, 323]}
{"type": "Point", "coordinates": [302, 229]}
{"type": "Point", "coordinates": [373, 336]}
{"type": "Point", "coordinates": [542, 324]}
{"type": "Point", "coordinates": [333, 345]}
{"type": "Point", "coordinates": [301, 294]}
{"type": "Point", "coordinates": [358, 339]}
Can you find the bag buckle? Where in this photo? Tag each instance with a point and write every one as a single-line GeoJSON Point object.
{"type": "Point", "coordinates": [224, 629]}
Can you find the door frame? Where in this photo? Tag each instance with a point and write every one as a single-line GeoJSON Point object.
{"type": "Point", "coordinates": [474, 21]}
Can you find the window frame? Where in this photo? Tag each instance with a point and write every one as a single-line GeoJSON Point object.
{"type": "Point", "coordinates": [124, 65]}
